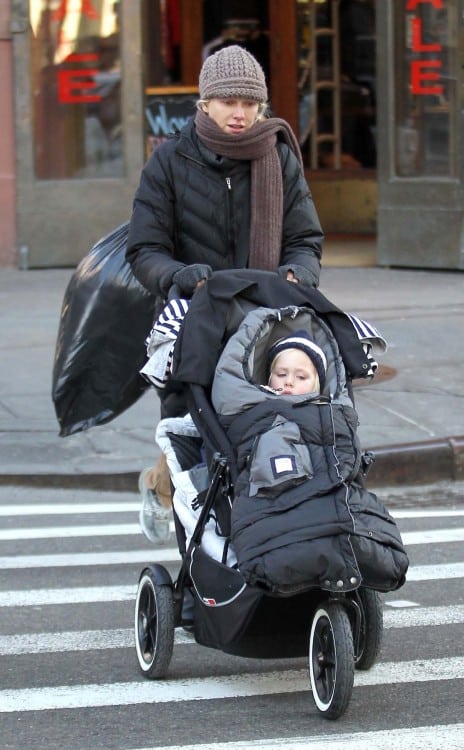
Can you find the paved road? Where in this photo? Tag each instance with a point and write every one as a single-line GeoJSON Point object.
{"type": "Point", "coordinates": [69, 563]}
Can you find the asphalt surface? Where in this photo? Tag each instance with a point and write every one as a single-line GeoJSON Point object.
{"type": "Point", "coordinates": [411, 415]}
{"type": "Point", "coordinates": [69, 673]}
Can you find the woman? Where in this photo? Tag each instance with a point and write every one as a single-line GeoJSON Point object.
{"type": "Point", "coordinates": [227, 191]}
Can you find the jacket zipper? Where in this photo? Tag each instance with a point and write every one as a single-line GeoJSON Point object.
{"type": "Point", "coordinates": [230, 216]}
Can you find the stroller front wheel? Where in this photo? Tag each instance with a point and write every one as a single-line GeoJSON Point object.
{"type": "Point", "coordinates": [331, 659]}
{"type": "Point", "coordinates": [371, 629]}
{"type": "Point", "coordinates": [154, 625]}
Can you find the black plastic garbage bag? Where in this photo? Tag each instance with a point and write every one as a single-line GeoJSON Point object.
{"type": "Point", "coordinates": [105, 317]}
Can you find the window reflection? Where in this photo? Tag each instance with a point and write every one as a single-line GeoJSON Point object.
{"type": "Point", "coordinates": [425, 86]}
{"type": "Point", "coordinates": [76, 78]}
{"type": "Point", "coordinates": [337, 83]}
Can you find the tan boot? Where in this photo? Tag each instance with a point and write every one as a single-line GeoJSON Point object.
{"type": "Point", "coordinates": [161, 482]}
{"type": "Point", "coordinates": [155, 513]}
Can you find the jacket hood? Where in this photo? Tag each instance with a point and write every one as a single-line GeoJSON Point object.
{"type": "Point", "coordinates": [241, 369]}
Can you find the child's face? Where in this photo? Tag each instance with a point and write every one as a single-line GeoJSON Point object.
{"type": "Point", "coordinates": [293, 373]}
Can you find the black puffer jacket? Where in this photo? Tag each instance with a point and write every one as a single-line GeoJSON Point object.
{"type": "Point", "coordinates": [194, 207]}
{"type": "Point", "coordinates": [300, 516]}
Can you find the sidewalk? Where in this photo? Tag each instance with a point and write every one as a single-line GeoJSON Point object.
{"type": "Point", "coordinates": [411, 415]}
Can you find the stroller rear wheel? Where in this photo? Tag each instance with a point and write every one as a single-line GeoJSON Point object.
{"type": "Point", "coordinates": [154, 625]}
{"type": "Point", "coordinates": [371, 628]}
{"type": "Point", "coordinates": [331, 659]}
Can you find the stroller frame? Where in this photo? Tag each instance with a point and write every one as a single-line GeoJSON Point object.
{"type": "Point", "coordinates": [339, 632]}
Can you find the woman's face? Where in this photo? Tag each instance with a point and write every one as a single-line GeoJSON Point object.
{"type": "Point", "coordinates": [232, 115]}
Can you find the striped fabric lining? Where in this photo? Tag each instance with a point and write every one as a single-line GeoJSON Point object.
{"type": "Point", "coordinates": [367, 333]}
{"type": "Point", "coordinates": [171, 318]}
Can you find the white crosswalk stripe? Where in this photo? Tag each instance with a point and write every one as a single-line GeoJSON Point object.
{"type": "Point", "coordinates": [69, 532]}
{"type": "Point", "coordinates": [68, 509]}
{"type": "Point", "coordinates": [433, 572]}
{"type": "Point", "coordinates": [436, 737]}
{"type": "Point", "coordinates": [60, 532]}
{"type": "Point", "coordinates": [84, 559]}
{"type": "Point", "coordinates": [433, 536]}
{"type": "Point", "coordinates": [61, 509]}
{"type": "Point", "coordinates": [82, 595]}
{"type": "Point", "coordinates": [91, 640]}
{"type": "Point", "coordinates": [130, 529]}
{"type": "Point", "coordinates": [130, 557]}
{"type": "Point", "coordinates": [82, 640]}
{"type": "Point", "coordinates": [95, 694]}
{"type": "Point", "coordinates": [118, 506]}
{"type": "Point", "coordinates": [213, 688]}
{"type": "Point", "coordinates": [77, 595]}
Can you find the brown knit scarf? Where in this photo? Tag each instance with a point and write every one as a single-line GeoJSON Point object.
{"type": "Point", "coordinates": [258, 146]}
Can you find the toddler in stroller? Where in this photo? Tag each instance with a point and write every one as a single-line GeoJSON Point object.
{"type": "Point", "coordinates": [301, 548]}
{"type": "Point", "coordinates": [296, 365]}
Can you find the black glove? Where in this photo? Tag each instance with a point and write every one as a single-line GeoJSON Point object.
{"type": "Point", "coordinates": [188, 277]}
{"type": "Point", "coordinates": [302, 275]}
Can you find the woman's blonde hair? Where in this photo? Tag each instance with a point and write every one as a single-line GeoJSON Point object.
{"type": "Point", "coordinates": [262, 107]}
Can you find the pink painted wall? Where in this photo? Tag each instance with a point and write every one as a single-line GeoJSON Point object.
{"type": "Point", "coordinates": [7, 143]}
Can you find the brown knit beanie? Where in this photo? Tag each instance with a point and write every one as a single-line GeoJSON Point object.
{"type": "Point", "coordinates": [232, 72]}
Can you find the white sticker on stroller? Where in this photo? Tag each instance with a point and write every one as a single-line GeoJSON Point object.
{"type": "Point", "coordinates": [283, 465]}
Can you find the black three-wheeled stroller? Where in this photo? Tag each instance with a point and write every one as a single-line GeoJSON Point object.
{"type": "Point", "coordinates": [279, 563]}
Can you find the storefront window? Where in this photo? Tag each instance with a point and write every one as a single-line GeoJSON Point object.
{"type": "Point", "coordinates": [168, 103]}
{"type": "Point", "coordinates": [168, 26]}
{"type": "Point", "coordinates": [425, 88]}
{"type": "Point", "coordinates": [337, 83]}
{"type": "Point", "coordinates": [162, 42]}
{"type": "Point", "coordinates": [76, 88]}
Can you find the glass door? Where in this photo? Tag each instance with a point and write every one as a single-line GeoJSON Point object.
{"type": "Point", "coordinates": [426, 86]}
{"type": "Point", "coordinates": [78, 109]}
{"type": "Point", "coordinates": [337, 83]}
{"type": "Point", "coordinates": [76, 89]}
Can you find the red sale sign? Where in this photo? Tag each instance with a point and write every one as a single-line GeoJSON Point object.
{"type": "Point", "coordinates": [87, 9]}
{"type": "Point", "coordinates": [76, 85]}
{"type": "Point", "coordinates": [424, 72]}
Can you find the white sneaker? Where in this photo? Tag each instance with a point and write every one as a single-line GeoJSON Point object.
{"type": "Point", "coordinates": [153, 517]}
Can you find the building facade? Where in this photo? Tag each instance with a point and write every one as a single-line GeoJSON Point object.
{"type": "Point", "coordinates": [7, 141]}
{"type": "Point", "coordinates": [373, 90]}
{"type": "Point", "coordinates": [420, 116]}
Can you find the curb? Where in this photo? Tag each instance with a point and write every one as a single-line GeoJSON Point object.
{"type": "Point", "coordinates": [418, 463]}
{"type": "Point", "coordinates": [105, 482]}
{"type": "Point", "coordinates": [403, 464]}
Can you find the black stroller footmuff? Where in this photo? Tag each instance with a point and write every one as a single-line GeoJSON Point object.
{"type": "Point", "coordinates": [283, 548]}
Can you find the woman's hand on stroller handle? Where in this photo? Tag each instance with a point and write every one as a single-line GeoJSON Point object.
{"type": "Point", "coordinates": [291, 277]}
